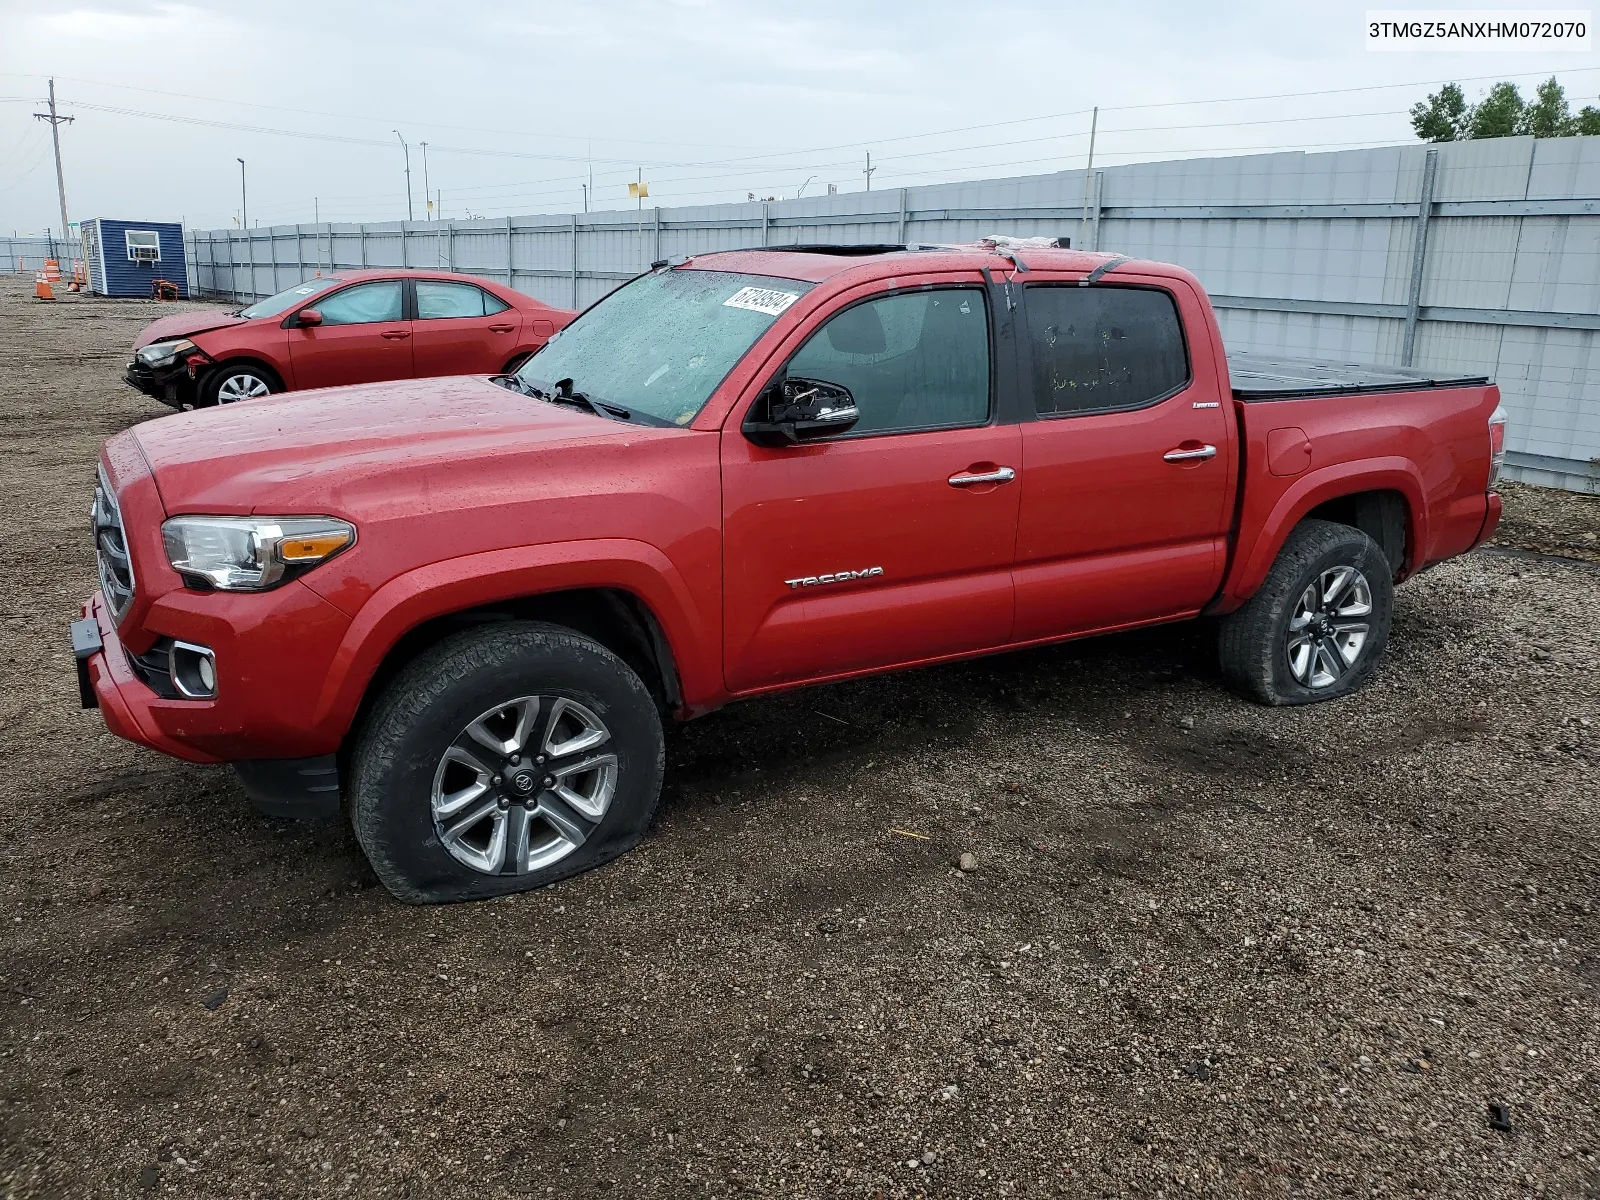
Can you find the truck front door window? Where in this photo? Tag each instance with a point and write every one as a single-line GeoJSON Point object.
{"type": "Point", "coordinates": [918, 360]}
{"type": "Point", "coordinates": [1103, 349]}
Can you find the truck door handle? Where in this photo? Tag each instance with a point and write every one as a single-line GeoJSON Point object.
{"type": "Point", "coordinates": [501, 328]}
{"type": "Point", "coordinates": [969, 479]}
{"type": "Point", "coordinates": [395, 335]}
{"type": "Point", "coordinates": [1178, 456]}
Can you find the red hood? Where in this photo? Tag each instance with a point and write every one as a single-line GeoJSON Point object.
{"type": "Point", "coordinates": [187, 324]}
{"type": "Point", "coordinates": [337, 450]}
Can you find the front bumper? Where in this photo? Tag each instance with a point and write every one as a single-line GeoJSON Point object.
{"type": "Point", "coordinates": [106, 680]}
{"type": "Point", "coordinates": [171, 385]}
{"type": "Point", "coordinates": [274, 654]}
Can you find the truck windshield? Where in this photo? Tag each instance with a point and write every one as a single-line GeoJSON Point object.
{"type": "Point", "coordinates": [284, 301]}
{"type": "Point", "coordinates": [659, 346]}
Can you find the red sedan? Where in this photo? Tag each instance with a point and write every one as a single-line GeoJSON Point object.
{"type": "Point", "coordinates": [352, 327]}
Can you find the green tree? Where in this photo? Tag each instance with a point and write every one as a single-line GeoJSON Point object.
{"type": "Point", "coordinates": [1447, 117]}
{"type": "Point", "coordinates": [1499, 114]}
{"type": "Point", "coordinates": [1548, 115]}
{"type": "Point", "coordinates": [1443, 117]}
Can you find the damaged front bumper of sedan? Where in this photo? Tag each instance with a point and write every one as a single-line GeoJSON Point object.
{"type": "Point", "coordinates": [168, 371]}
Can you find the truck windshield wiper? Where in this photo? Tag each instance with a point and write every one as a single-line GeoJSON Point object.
{"type": "Point", "coordinates": [565, 394]}
{"type": "Point", "coordinates": [516, 384]}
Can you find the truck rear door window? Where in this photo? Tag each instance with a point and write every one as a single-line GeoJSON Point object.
{"type": "Point", "coordinates": [916, 360]}
{"type": "Point", "coordinates": [1103, 349]}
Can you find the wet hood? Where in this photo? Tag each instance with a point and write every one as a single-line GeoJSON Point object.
{"type": "Point", "coordinates": [187, 324]}
{"type": "Point", "coordinates": [335, 449]}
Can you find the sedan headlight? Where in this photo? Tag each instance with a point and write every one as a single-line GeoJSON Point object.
{"type": "Point", "coordinates": [163, 354]}
{"type": "Point", "coordinates": [252, 554]}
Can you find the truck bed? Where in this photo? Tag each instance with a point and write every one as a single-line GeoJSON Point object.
{"type": "Point", "coordinates": [1260, 377]}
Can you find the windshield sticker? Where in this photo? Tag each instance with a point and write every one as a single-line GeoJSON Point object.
{"type": "Point", "coordinates": [761, 300]}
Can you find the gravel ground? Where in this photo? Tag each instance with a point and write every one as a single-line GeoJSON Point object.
{"type": "Point", "coordinates": [1204, 948]}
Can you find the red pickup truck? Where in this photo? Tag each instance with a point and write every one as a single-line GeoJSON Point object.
{"type": "Point", "coordinates": [464, 607]}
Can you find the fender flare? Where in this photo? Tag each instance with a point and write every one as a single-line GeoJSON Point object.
{"type": "Point", "coordinates": [1252, 560]}
{"type": "Point", "coordinates": [497, 576]}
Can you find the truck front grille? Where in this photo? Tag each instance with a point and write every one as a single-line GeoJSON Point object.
{"type": "Point", "coordinates": [111, 550]}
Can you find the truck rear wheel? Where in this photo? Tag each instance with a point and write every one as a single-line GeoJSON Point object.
{"type": "Point", "coordinates": [503, 759]}
{"type": "Point", "coordinates": [1319, 623]}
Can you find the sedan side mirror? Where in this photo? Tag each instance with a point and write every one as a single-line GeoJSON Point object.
{"type": "Point", "coordinates": [309, 318]}
{"type": "Point", "coordinates": [798, 410]}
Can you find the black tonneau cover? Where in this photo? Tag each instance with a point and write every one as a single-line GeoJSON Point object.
{"type": "Point", "coordinates": [1269, 377]}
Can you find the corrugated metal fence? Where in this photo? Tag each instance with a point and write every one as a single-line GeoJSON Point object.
{"type": "Point", "coordinates": [1480, 257]}
{"type": "Point", "coordinates": [23, 254]}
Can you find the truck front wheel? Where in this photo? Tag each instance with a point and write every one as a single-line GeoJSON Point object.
{"type": "Point", "coordinates": [502, 759]}
{"type": "Point", "coordinates": [1319, 623]}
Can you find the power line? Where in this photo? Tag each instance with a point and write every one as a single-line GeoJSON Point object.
{"type": "Point", "coordinates": [313, 112]}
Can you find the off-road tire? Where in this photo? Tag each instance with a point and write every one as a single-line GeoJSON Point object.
{"type": "Point", "coordinates": [1253, 641]}
{"type": "Point", "coordinates": [444, 689]}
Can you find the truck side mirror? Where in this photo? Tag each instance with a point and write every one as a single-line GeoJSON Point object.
{"type": "Point", "coordinates": [309, 318]}
{"type": "Point", "coordinates": [797, 410]}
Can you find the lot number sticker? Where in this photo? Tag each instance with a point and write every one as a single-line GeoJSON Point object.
{"type": "Point", "coordinates": [761, 300]}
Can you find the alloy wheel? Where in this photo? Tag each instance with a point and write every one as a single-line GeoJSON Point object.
{"type": "Point", "coordinates": [1328, 630]}
{"type": "Point", "coordinates": [241, 386]}
{"type": "Point", "coordinates": [524, 785]}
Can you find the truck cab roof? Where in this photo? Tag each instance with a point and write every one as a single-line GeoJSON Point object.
{"type": "Point", "coordinates": [816, 263]}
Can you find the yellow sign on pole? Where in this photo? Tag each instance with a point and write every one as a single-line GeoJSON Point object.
{"type": "Point", "coordinates": [638, 191]}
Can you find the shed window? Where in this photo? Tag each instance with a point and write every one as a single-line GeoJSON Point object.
{"type": "Point", "coordinates": [144, 245]}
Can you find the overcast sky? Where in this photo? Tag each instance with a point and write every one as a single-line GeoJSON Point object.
{"type": "Point", "coordinates": [710, 99]}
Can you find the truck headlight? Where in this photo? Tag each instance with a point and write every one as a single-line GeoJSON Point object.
{"type": "Point", "coordinates": [163, 354]}
{"type": "Point", "coordinates": [252, 554]}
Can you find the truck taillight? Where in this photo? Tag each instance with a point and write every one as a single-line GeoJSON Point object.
{"type": "Point", "coordinates": [1497, 443]}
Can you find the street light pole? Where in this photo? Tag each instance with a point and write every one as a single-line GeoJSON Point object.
{"type": "Point", "coordinates": [244, 199]}
{"type": "Point", "coordinates": [410, 215]}
{"type": "Point", "coordinates": [427, 195]}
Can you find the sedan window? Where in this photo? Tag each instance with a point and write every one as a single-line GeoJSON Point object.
{"type": "Point", "coordinates": [436, 301]}
{"type": "Point", "coordinates": [364, 304]}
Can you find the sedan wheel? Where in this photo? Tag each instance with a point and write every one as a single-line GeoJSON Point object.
{"type": "Point", "coordinates": [241, 385]}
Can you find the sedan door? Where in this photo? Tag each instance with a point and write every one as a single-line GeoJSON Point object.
{"type": "Point", "coordinates": [363, 337]}
{"type": "Point", "coordinates": [460, 329]}
{"type": "Point", "coordinates": [890, 544]}
{"type": "Point", "coordinates": [1129, 484]}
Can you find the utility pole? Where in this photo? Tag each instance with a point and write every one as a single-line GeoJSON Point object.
{"type": "Point", "coordinates": [870, 170]}
{"type": "Point", "coordinates": [410, 214]}
{"type": "Point", "coordinates": [1088, 174]}
{"type": "Point", "coordinates": [316, 211]}
{"type": "Point", "coordinates": [56, 122]}
{"type": "Point", "coordinates": [585, 188]}
{"type": "Point", "coordinates": [427, 194]}
{"type": "Point", "coordinates": [244, 200]}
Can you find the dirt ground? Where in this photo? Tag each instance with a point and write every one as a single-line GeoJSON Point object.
{"type": "Point", "coordinates": [1208, 949]}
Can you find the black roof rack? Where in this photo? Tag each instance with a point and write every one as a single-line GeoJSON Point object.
{"type": "Point", "coordinates": [862, 250]}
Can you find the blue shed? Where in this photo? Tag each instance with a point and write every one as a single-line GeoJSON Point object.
{"type": "Point", "coordinates": [125, 257]}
